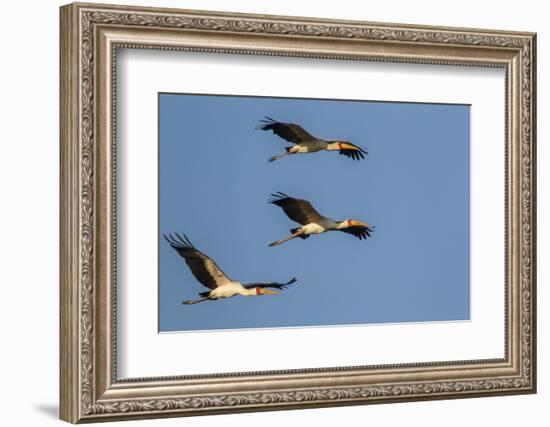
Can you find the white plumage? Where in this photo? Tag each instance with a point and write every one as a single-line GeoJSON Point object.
{"type": "Point", "coordinates": [207, 272]}
{"type": "Point", "coordinates": [313, 222]}
{"type": "Point", "coordinates": [305, 143]}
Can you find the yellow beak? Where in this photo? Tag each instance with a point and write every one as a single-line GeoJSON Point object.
{"type": "Point", "coordinates": [268, 292]}
{"type": "Point", "coordinates": [346, 146]}
{"type": "Point", "coordinates": [359, 224]}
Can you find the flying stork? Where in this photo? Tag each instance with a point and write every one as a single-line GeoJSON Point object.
{"type": "Point", "coordinates": [313, 222]}
{"type": "Point", "coordinates": [305, 143]}
{"type": "Point", "coordinates": [211, 276]}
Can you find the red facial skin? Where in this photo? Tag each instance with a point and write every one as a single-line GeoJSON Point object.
{"type": "Point", "coordinates": [258, 291]}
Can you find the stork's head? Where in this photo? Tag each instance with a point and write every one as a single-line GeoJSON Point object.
{"type": "Point", "coordinates": [263, 291]}
{"type": "Point", "coordinates": [339, 144]}
{"type": "Point", "coordinates": [347, 223]}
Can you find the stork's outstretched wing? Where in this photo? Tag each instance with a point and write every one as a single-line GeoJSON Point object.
{"type": "Point", "coordinates": [290, 132]}
{"type": "Point", "coordinates": [203, 267]}
{"type": "Point", "coordinates": [297, 210]}
{"type": "Point", "coordinates": [271, 284]}
{"type": "Point", "coordinates": [353, 152]}
{"type": "Point", "coordinates": [359, 231]}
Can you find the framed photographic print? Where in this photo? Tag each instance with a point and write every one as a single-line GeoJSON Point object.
{"type": "Point", "coordinates": [266, 212]}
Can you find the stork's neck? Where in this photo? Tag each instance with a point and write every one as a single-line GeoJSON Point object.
{"type": "Point", "coordinates": [329, 224]}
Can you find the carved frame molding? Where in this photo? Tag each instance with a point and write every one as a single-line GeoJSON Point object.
{"type": "Point", "coordinates": [90, 36]}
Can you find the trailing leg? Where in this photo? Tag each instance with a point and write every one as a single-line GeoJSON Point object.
{"type": "Point", "coordinates": [286, 239]}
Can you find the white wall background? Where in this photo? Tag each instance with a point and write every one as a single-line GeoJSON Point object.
{"type": "Point", "coordinates": [29, 170]}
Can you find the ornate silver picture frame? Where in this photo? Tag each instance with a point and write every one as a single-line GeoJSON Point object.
{"type": "Point", "coordinates": [92, 36]}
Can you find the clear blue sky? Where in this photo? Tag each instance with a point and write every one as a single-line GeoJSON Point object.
{"type": "Point", "coordinates": [414, 187]}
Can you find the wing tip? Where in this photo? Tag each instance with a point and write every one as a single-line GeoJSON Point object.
{"type": "Point", "coordinates": [267, 123]}
{"type": "Point", "coordinates": [277, 197]}
{"type": "Point", "coordinates": [287, 284]}
{"type": "Point", "coordinates": [178, 242]}
{"type": "Point", "coordinates": [358, 154]}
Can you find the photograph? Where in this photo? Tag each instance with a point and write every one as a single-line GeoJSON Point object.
{"type": "Point", "coordinates": [290, 212]}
